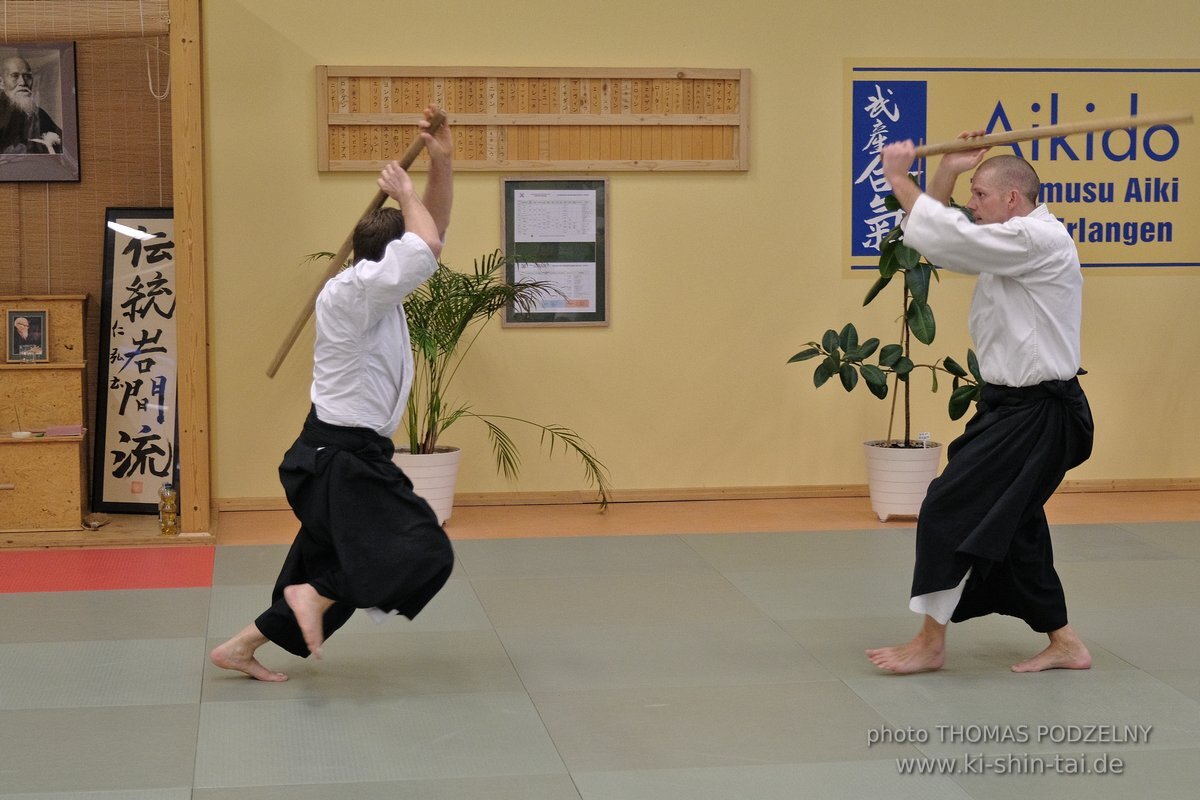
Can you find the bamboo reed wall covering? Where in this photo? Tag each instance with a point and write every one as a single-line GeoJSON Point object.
{"type": "Point", "coordinates": [63, 20]}
{"type": "Point", "coordinates": [539, 119]}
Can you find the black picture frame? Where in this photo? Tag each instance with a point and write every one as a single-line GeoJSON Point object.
{"type": "Point", "coordinates": [52, 73]}
{"type": "Point", "coordinates": [36, 325]}
{"type": "Point", "coordinates": [556, 230]}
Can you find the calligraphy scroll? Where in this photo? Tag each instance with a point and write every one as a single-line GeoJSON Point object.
{"type": "Point", "coordinates": [136, 402]}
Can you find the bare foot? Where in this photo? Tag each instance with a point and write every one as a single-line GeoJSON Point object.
{"type": "Point", "coordinates": [237, 655]}
{"type": "Point", "coordinates": [1066, 651]}
{"type": "Point", "coordinates": [919, 655]}
{"type": "Point", "coordinates": [309, 608]}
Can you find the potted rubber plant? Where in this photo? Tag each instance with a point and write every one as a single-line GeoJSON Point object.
{"type": "Point", "coordinates": [446, 315]}
{"type": "Point", "coordinates": [898, 469]}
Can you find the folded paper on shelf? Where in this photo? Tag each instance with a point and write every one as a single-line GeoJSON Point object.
{"type": "Point", "coordinates": [65, 430]}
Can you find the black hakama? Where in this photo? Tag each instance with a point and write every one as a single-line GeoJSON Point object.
{"type": "Point", "coordinates": [365, 540]}
{"type": "Point", "coordinates": [985, 514]}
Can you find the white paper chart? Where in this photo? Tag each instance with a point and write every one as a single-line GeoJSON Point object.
{"type": "Point", "coordinates": [554, 215]}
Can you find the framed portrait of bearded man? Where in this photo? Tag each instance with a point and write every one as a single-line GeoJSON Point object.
{"type": "Point", "coordinates": [39, 116]}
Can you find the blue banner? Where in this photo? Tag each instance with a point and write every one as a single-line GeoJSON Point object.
{"type": "Point", "coordinates": [883, 112]}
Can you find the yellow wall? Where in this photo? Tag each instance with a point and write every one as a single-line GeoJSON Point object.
{"type": "Point", "coordinates": [716, 278]}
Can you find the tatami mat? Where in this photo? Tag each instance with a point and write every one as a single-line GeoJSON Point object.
{"type": "Point", "coordinates": [687, 665]}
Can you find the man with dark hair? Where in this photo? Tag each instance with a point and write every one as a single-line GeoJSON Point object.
{"type": "Point", "coordinates": [365, 540]}
{"type": "Point", "coordinates": [375, 230]}
{"type": "Point", "coordinates": [24, 126]}
{"type": "Point", "coordinates": [983, 543]}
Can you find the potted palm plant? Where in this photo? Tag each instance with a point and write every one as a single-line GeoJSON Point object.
{"type": "Point", "coordinates": [446, 315]}
{"type": "Point", "coordinates": [898, 470]}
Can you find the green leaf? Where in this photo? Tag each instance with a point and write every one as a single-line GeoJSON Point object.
{"type": "Point", "coordinates": [849, 377]}
{"type": "Point", "coordinates": [953, 367]}
{"type": "Point", "coordinates": [822, 374]}
{"type": "Point", "coordinates": [916, 279]}
{"type": "Point", "coordinates": [880, 390]}
{"type": "Point", "coordinates": [867, 348]}
{"type": "Point", "coordinates": [891, 203]}
{"type": "Point", "coordinates": [907, 256]}
{"type": "Point", "coordinates": [873, 375]}
{"type": "Point", "coordinates": [830, 341]}
{"type": "Point", "coordinates": [508, 460]}
{"type": "Point", "coordinates": [933, 372]}
{"type": "Point", "coordinates": [920, 322]}
{"type": "Point", "coordinates": [805, 355]}
{"type": "Point", "coordinates": [890, 354]}
{"type": "Point", "coordinates": [888, 263]}
{"type": "Point", "coordinates": [960, 400]}
{"type": "Point", "coordinates": [848, 338]}
{"type": "Point", "coordinates": [553, 437]}
{"type": "Point", "coordinates": [973, 365]}
{"type": "Point", "coordinates": [903, 367]}
{"type": "Point", "coordinates": [876, 289]}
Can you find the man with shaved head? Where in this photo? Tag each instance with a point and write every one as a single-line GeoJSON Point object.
{"type": "Point", "coordinates": [24, 126]}
{"type": "Point", "coordinates": [983, 543]}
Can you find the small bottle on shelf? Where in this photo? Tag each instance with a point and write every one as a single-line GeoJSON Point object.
{"type": "Point", "coordinates": [168, 510]}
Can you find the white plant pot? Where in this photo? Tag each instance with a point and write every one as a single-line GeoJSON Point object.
{"type": "Point", "coordinates": [433, 476]}
{"type": "Point", "coordinates": [898, 477]}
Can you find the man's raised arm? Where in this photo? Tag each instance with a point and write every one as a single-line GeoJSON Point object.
{"type": "Point", "coordinates": [417, 219]}
{"type": "Point", "coordinates": [439, 188]}
{"type": "Point", "coordinates": [951, 165]}
{"type": "Point", "coordinates": [899, 156]}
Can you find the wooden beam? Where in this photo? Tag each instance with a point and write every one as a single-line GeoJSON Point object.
{"type": "Point", "coordinates": [191, 320]}
{"type": "Point", "coordinates": [396, 118]}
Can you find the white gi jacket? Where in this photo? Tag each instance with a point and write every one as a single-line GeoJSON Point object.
{"type": "Point", "coordinates": [1028, 302]}
{"type": "Point", "coordinates": [362, 360]}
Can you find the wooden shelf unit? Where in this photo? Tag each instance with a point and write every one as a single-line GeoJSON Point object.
{"type": "Point", "coordinates": [43, 480]}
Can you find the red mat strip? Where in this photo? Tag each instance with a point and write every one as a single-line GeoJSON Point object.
{"type": "Point", "coordinates": [117, 568]}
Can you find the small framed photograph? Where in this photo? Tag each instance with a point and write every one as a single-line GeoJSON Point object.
{"type": "Point", "coordinates": [28, 335]}
{"type": "Point", "coordinates": [39, 117]}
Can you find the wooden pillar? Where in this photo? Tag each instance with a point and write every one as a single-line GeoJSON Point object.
{"type": "Point", "coordinates": [187, 153]}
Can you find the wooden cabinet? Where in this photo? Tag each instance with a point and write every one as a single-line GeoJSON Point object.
{"type": "Point", "coordinates": [43, 480]}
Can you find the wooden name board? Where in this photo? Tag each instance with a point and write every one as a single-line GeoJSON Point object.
{"type": "Point", "coordinates": [539, 119]}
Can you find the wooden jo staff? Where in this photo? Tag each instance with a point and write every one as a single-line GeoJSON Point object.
{"type": "Point", "coordinates": [335, 264]}
{"type": "Point", "coordinates": [1047, 131]}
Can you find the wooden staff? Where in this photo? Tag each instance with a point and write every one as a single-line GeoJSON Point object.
{"type": "Point", "coordinates": [1045, 132]}
{"type": "Point", "coordinates": [335, 264]}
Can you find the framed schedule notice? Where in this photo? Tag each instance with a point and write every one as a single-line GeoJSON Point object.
{"type": "Point", "coordinates": [555, 231]}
